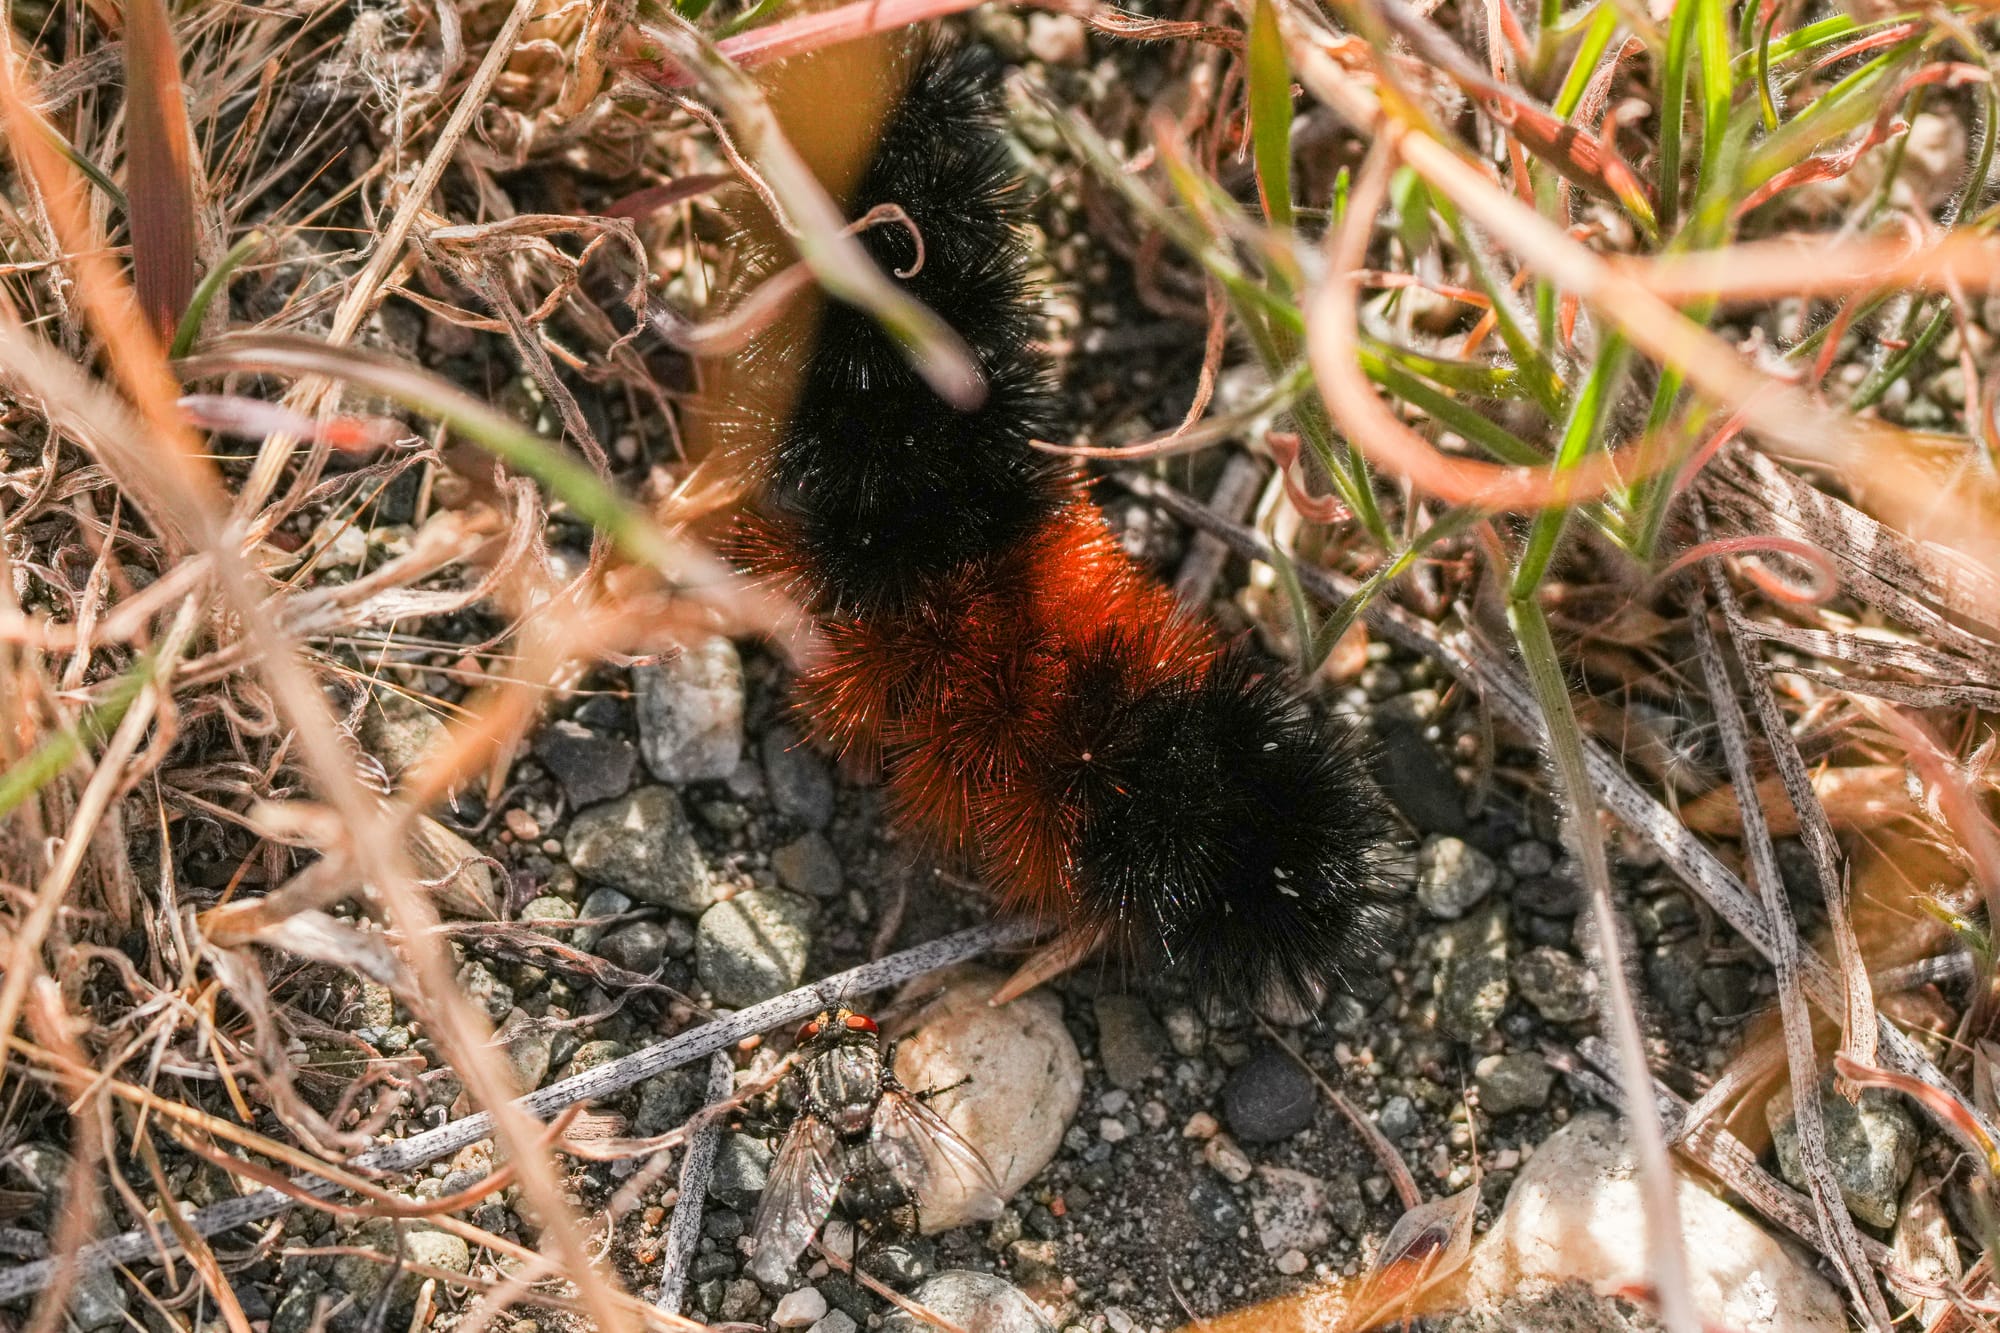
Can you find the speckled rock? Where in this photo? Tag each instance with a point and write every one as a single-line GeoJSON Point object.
{"type": "Point", "coordinates": [973, 1301]}
{"type": "Point", "coordinates": [399, 731]}
{"type": "Point", "coordinates": [527, 1045]}
{"type": "Point", "coordinates": [690, 713]}
{"type": "Point", "coordinates": [1510, 1083]}
{"type": "Point", "coordinates": [1019, 1074]}
{"type": "Point", "coordinates": [643, 845]}
{"type": "Point", "coordinates": [1873, 1147]}
{"type": "Point", "coordinates": [1557, 984]}
{"type": "Point", "coordinates": [1573, 1227]}
{"type": "Point", "coordinates": [1472, 981]}
{"type": "Point", "coordinates": [1453, 877]}
{"type": "Point", "coordinates": [754, 946]}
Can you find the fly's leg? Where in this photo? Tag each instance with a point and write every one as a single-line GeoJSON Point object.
{"type": "Point", "coordinates": [890, 1083]}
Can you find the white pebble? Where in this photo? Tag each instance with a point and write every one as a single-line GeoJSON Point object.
{"type": "Point", "coordinates": [796, 1309]}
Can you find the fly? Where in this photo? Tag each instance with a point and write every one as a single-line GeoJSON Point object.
{"type": "Point", "coordinates": [859, 1141]}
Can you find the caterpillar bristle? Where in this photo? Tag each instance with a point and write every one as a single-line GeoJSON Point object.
{"type": "Point", "coordinates": [1038, 706]}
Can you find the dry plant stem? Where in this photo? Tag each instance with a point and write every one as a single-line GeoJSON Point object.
{"type": "Point", "coordinates": [685, 1231]}
{"type": "Point", "coordinates": [1835, 1225]}
{"type": "Point", "coordinates": [1857, 1039]}
{"type": "Point", "coordinates": [362, 293]}
{"type": "Point", "coordinates": [1777, 412]}
{"type": "Point", "coordinates": [602, 1081]}
{"type": "Point", "coordinates": [1502, 691]}
{"type": "Point", "coordinates": [162, 466]}
{"type": "Point", "coordinates": [1378, 1143]}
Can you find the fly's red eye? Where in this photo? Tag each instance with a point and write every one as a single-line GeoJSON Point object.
{"type": "Point", "coordinates": [860, 1023]}
{"type": "Point", "coordinates": [807, 1032]}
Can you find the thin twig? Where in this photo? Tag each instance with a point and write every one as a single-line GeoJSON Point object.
{"type": "Point", "coordinates": [696, 1167]}
{"type": "Point", "coordinates": [602, 1081]}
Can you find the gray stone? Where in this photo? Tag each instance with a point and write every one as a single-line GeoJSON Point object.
{"type": "Point", "coordinates": [1673, 973]}
{"type": "Point", "coordinates": [741, 1299]}
{"type": "Point", "coordinates": [1472, 983]}
{"type": "Point", "coordinates": [801, 786]}
{"type": "Point", "coordinates": [547, 908]}
{"type": "Point", "coordinates": [591, 1055]}
{"type": "Point", "coordinates": [690, 712]}
{"type": "Point", "coordinates": [1398, 1118]}
{"type": "Point", "coordinates": [1417, 778]}
{"type": "Point", "coordinates": [602, 901]}
{"type": "Point", "coordinates": [1561, 988]}
{"type": "Point", "coordinates": [294, 1313]}
{"type": "Point", "coordinates": [1573, 1227]}
{"type": "Point", "coordinates": [1345, 1205]}
{"type": "Point", "coordinates": [835, 1321]}
{"type": "Point", "coordinates": [591, 768]}
{"type": "Point", "coordinates": [973, 1300]}
{"type": "Point", "coordinates": [1214, 1211]}
{"type": "Point", "coordinates": [479, 985]}
{"type": "Point", "coordinates": [98, 1301]}
{"type": "Point", "coordinates": [1453, 877]}
{"type": "Point", "coordinates": [1510, 1083]}
{"type": "Point", "coordinates": [1729, 988]}
{"type": "Point", "coordinates": [398, 730]}
{"type": "Point", "coordinates": [363, 1278]}
{"type": "Point", "coordinates": [639, 946]}
{"type": "Point", "coordinates": [754, 946]}
{"type": "Point", "coordinates": [1530, 858]}
{"type": "Point", "coordinates": [527, 1045]}
{"type": "Point", "coordinates": [1872, 1146]}
{"type": "Point", "coordinates": [1129, 1043]}
{"type": "Point", "coordinates": [742, 1165]}
{"type": "Point", "coordinates": [1268, 1098]}
{"type": "Point", "coordinates": [808, 865]}
{"type": "Point", "coordinates": [1289, 1212]}
{"type": "Point", "coordinates": [642, 844]}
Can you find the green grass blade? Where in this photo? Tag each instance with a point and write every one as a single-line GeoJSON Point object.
{"type": "Point", "coordinates": [212, 285]}
{"type": "Point", "coordinates": [1271, 114]}
{"type": "Point", "coordinates": [41, 765]}
{"type": "Point", "coordinates": [1580, 435]}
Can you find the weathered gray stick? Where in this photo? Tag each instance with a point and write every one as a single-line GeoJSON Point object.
{"type": "Point", "coordinates": [407, 1154]}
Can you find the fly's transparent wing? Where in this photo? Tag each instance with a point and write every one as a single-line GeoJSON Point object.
{"type": "Point", "coordinates": [798, 1195]}
{"type": "Point", "coordinates": [924, 1153]}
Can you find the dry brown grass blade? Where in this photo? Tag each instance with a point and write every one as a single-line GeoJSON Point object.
{"type": "Point", "coordinates": [159, 176]}
{"type": "Point", "coordinates": [1836, 1226]}
{"type": "Point", "coordinates": [1862, 796]}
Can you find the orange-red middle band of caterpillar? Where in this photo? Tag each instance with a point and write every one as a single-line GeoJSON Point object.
{"type": "Point", "coordinates": [967, 691]}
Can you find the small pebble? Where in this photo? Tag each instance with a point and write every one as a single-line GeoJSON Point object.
{"type": "Point", "coordinates": [801, 786]}
{"type": "Point", "coordinates": [1057, 39]}
{"type": "Point", "coordinates": [643, 845]}
{"type": "Point", "coordinates": [1226, 1159]}
{"type": "Point", "coordinates": [1268, 1098]}
{"type": "Point", "coordinates": [835, 1321]}
{"type": "Point", "coordinates": [973, 1300]}
{"type": "Point", "coordinates": [1510, 1083]}
{"type": "Point", "coordinates": [1019, 1082]}
{"type": "Point", "coordinates": [1398, 1118]}
{"type": "Point", "coordinates": [1291, 1263]}
{"type": "Point", "coordinates": [690, 713]}
{"type": "Point", "coordinates": [1453, 876]}
{"type": "Point", "coordinates": [1201, 1125]}
{"type": "Point", "coordinates": [808, 865]}
{"type": "Point", "coordinates": [797, 1309]}
{"type": "Point", "coordinates": [522, 824]}
{"type": "Point", "coordinates": [753, 946]}
{"type": "Point", "coordinates": [590, 768]}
